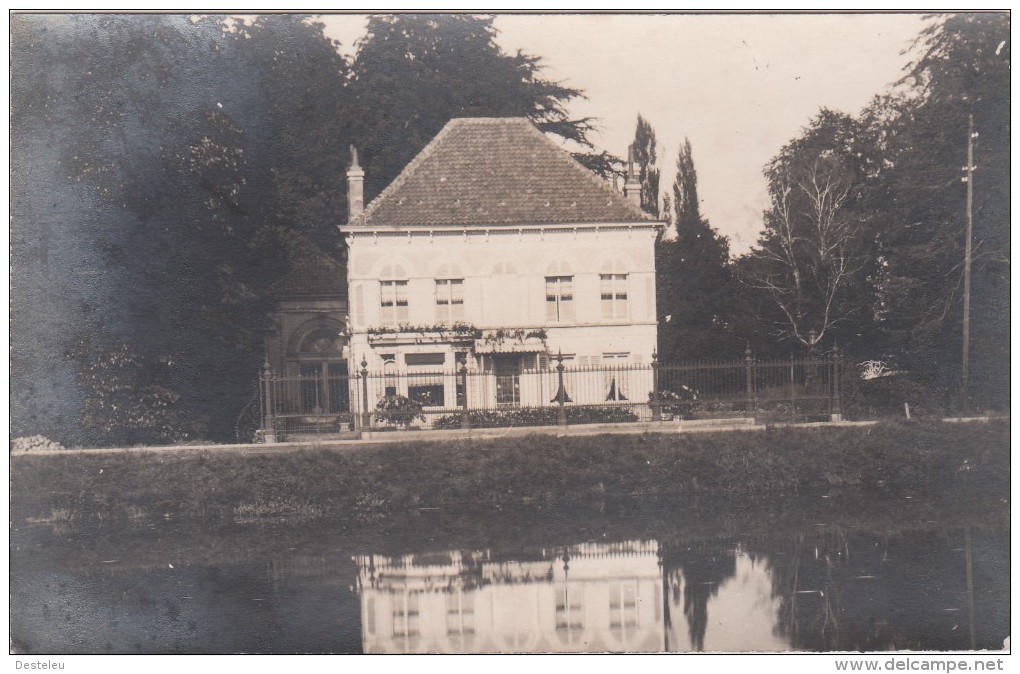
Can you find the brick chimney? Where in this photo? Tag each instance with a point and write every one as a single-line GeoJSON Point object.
{"type": "Point", "coordinates": [355, 187]}
{"type": "Point", "coordinates": [632, 187]}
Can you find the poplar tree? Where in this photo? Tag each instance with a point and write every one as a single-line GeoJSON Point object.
{"type": "Point", "coordinates": [645, 156]}
{"type": "Point", "coordinates": [697, 287]}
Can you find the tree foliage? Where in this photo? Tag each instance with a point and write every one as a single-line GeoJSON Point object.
{"type": "Point", "coordinates": [696, 292]}
{"type": "Point", "coordinates": [414, 73]}
{"type": "Point", "coordinates": [961, 68]}
{"type": "Point", "coordinates": [169, 170]}
{"type": "Point", "coordinates": [887, 187]}
{"type": "Point", "coordinates": [809, 261]}
{"type": "Point", "coordinates": [645, 156]}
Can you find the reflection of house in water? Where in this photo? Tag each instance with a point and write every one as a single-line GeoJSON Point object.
{"type": "Point", "coordinates": [592, 597]}
{"type": "Point", "coordinates": [583, 598]}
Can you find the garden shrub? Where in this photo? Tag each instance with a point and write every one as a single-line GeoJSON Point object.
{"type": "Point", "coordinates": [538, 416]}
{"type": "Point", "coordinates": [399, 410]}
{"type": "Point", "coordinates": [884, 396]}
{"type": "Point", "coordinates": [34, 443]}
{"type": "Point", "coordinates": [679, 404]}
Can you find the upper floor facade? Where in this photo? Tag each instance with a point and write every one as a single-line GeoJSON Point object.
{"type": "Point", "coordinates": [539, 277]}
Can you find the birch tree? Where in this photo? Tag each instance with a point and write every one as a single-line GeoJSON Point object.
{"type": "Point", "coordinates": [810, 254]}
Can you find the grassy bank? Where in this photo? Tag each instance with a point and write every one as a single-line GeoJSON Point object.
{"type": "Point", "coordinates": [921, 459]}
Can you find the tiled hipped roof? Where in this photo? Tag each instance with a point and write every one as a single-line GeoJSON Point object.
{"type": "Point", "coordinates": [316, 275]}
{"type": "Point", "coordinates": [496, 171]}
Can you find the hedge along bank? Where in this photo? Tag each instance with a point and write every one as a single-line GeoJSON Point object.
{"type": "Point", "coordinates": [930, 460]}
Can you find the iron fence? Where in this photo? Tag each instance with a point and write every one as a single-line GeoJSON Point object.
{"type": "Point", "coordinates": [335, 402]}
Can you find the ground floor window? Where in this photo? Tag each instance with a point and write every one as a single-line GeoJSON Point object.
{"type": "Point", "coordinates": [614, 376]}
{"type": "Point", "coordinates": [623, 610]}
{"type": "Point", "coordinates": [425, 378]}
{"type": "Point", "coordinates": [389, 362]}
{"type": "Point", "coordinates": [507, 370]}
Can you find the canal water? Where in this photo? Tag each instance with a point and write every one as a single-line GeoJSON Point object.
{"type": "Point", "coordinates": [432, 586]}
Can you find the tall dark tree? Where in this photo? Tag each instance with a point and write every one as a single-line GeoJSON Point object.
{"type": "Point", "coordinates": [645, 156]}
{"type": "Point", "coordinates": [96, 104]}
{"type": "Point", "coordinates": [413, 73]}
{"type": "Point", "coordinates": [187, 194]}
{"type": "Point", "coordinates": [306, 125]}
{"type": "Point", "coordinates": [961, 68]}
{"type": "Point", "coordinates": [695, 287]}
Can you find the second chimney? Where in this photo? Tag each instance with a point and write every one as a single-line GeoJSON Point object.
{"type": "Point", "coordinates": [632, 186]}
{"type": "Point", "coordinates": [355, 187]}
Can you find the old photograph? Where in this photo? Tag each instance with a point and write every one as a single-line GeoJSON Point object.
{"type": "Point", "coordinates": [451, 333]}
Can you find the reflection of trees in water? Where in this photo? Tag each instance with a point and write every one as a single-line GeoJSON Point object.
{"type": "Point", "coordinates": [846, 590]}
{"type": "Point", "coordinates": [702, 569]}
{"type": "Point", "coordinates": [852, 591]}
{"type": "Point", "coordinates": [810, 608]}
{"type": "Point", "coordinates": [837, 592]}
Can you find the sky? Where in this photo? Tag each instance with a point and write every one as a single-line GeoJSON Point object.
{"type": "Point", "coordinates": [738, 86]}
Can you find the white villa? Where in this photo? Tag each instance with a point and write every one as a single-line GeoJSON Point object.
{"type": "Point", "coordinates": [495, 251]}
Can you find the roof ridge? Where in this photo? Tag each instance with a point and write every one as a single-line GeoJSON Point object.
{"type": "Point", "coordinates": [614, 198]}
{"type": "Point", "coordinates": [489, 120]}
{"type": "Point", "coordinates": [590, 175]}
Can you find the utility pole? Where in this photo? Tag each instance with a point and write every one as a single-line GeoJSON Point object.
{"type": "Point", "coordinates": [969, 179]}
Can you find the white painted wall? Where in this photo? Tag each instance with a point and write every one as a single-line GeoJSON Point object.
{"type": "Point", "coordinates": [504, 272]}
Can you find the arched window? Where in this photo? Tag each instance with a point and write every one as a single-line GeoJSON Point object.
{"type": "Point", "coordinates": [504, 269]}
{"type": "Point", "coordinates": [449, 270]}
{"type": "Point", "coordinates": [393, 271]}
{"type": "Point", "coordinates": [558, 268]}
{"type": "Point", "coordinates": [322, 341]}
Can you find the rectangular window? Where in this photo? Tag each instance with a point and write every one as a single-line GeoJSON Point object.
{"type": "Point", "coordinates": [623, 605]}
{"type": "Point", "coordinates": [460, 613]}
{"type": "Point", "coordinates": [569, 610]}
{"type": "Point", "coordinates": [559, 299]}
{"type": "Point", "coordinates": [389, 361]}
{"type": "Point", "coordinates": [614, 295]}
{"type": "Point", "coordinates": [532, 362]}
{"type": "Point", "coordinates": [449, 300]}
{"type": "Point", "coordinates": [405, 615]}
{"type": "Point", "coordinates": [393, 302]}
{"type": "Point", "coordinates": [425, 378]}
{"type": "Point", "coordinates": [615, 375]}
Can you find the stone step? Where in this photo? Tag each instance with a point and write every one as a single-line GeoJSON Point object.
{"type": "Point", "coordinates": [735, 421]}
{"type": "Point", "coordinates": [319, 437]}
